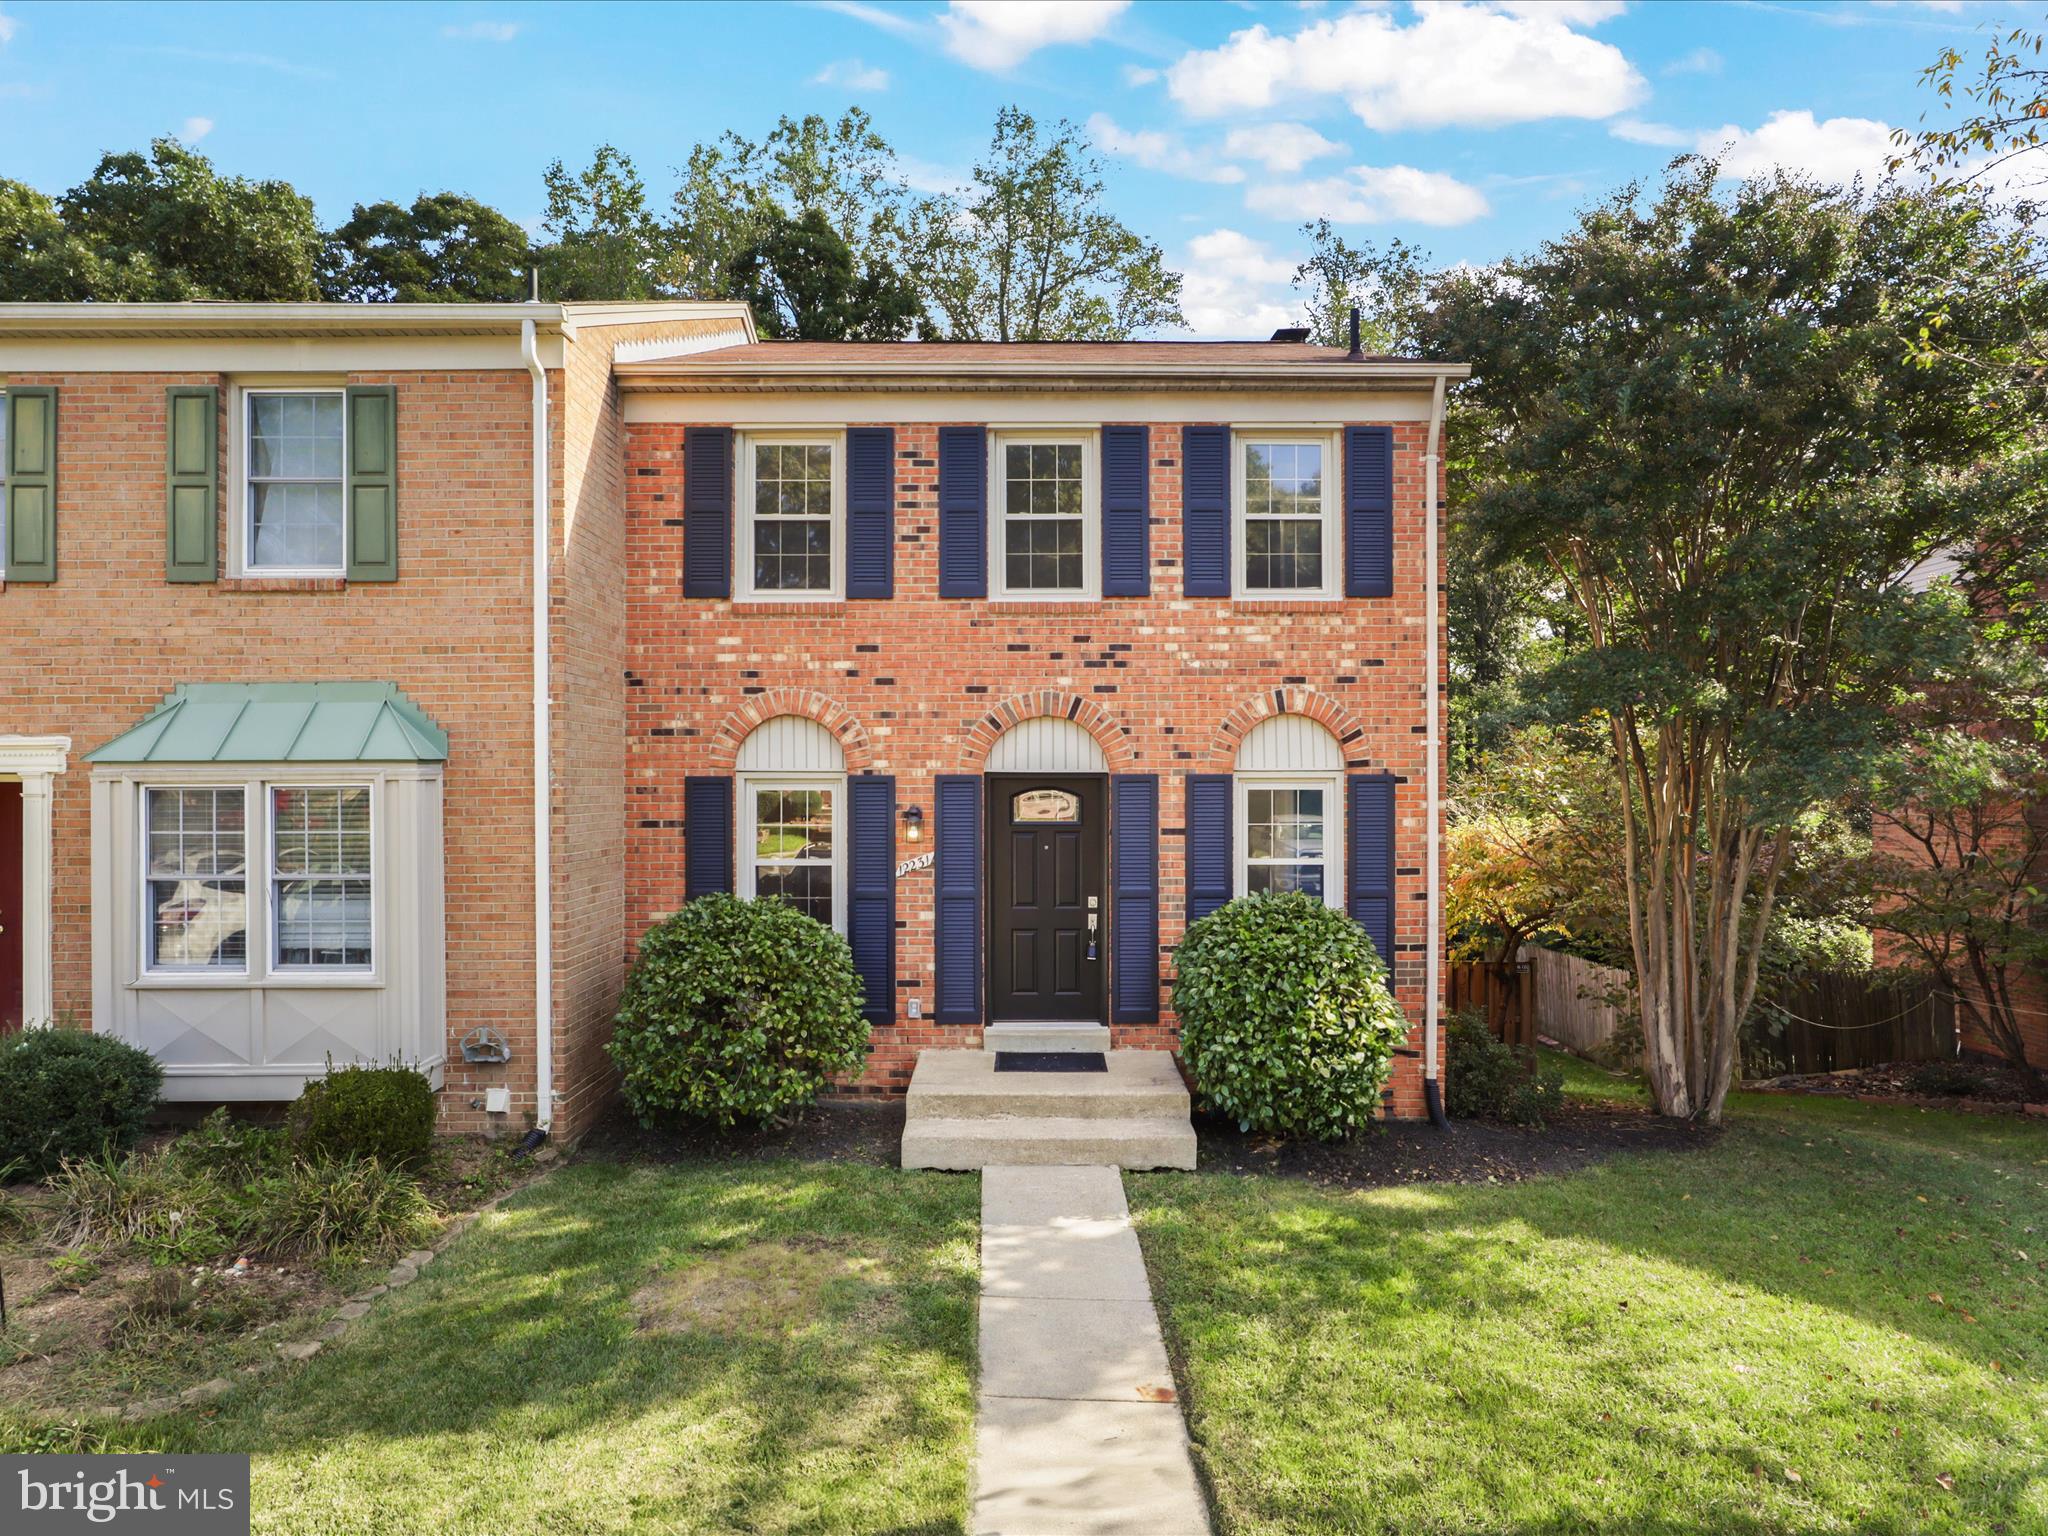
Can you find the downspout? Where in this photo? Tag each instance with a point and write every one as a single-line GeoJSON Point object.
{"type": "Point", "coordinates": [543, 853]}
{"type": "Point", "coordinates": [1432, 1085]}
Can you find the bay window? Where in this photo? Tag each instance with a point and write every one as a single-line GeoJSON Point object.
{"type": "Point", "coordinates": [195, 878]}
{"type": "Point", "coordinates": [320, 877]}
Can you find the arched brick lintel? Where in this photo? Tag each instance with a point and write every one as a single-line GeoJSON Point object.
{"type": "Point", "coordinates": [1114, 740]}
{"type": "Point", "coordinates": [1295, 700]}
{"type": "Point", "coordinates": [763, 707]}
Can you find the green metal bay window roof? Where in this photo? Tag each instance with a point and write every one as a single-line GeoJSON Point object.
{"type": "Point", "coordinates": [281, 723]}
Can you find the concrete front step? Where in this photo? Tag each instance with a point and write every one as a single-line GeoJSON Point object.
{"type": "Point", "coordinates": [1046, 1141]}
{"type": "Point", "coordinates": [964, 1085]}
{"type": "Point", "coordinates": [1045, 1037]}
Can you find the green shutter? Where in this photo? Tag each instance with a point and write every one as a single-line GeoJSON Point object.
{"type": "Point", "coordinates": [372, 482]}
{"type": "Point", "coordinates": [31, 483]}
{"type": "Point", "coordinates": [191, 481]}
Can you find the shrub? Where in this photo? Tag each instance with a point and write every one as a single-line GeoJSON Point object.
{"type": "Point", "coordinates": [386, 1113]}
{"type": "Point", "coordinates": [146, 1202]}
{"type": "Point", "coordinates": [1488, 1079]}
{"type": "Point", "coordinates": [70, 1093]}
{"type": "Point", "coordinates": [320, 1207]}
{"type": "Point", "coordinates": [1286, 1021]}
{"type": "Point", "coordinates": [229, 1149]}
{"type": "Point", "coordinates": [736, 1012]}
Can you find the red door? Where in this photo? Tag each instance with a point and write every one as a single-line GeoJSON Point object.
{"type": "Point", "coordinates": [10, 906]}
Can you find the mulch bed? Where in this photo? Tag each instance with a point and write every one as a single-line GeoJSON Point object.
{"type": "Point", "coordinates": [1985, 1088]}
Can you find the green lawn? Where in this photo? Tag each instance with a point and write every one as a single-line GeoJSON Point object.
{"type": "Point", "coordinates": [760, 1347]}
{"type": "Point", "coordinates": [1815, 1325]}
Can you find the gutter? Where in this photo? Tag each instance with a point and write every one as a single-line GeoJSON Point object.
{"type": "Point", "coordinates": [1432, 1086]}
{"type": "Point", "coordinates": [543, 852]}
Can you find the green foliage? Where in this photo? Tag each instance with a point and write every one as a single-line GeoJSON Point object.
{"type": "Point", "coordinates": [1485, 1078]}
{"type": "Point", "coordinates": [804, 285]}
{"type": "Point", "coordinates": [324, 1207]}
{"type": "Point", "coordinates": [49, 1437]}
{"type": "Point", "coordinates": [736, 1012]}
{"type": "Point", "coordinates": [1385, 286]}
{"type": "Point", "coordinates": [386, 1113]}
{"type": "Point", "coordinates": [605, 241]}
{"type": "Point", "coordinates": [1286, 1021]}
{"type": "Point", "coordinates": [444, 247]}
{"type": "Point", "coordinates": [70, 1093]}
{"type": "Point", "coordinates": [146, 1202]}
{"type": "Point", "coordinates": [229, 1149]}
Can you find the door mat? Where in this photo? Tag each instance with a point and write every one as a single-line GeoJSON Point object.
{"type": "Point", "coordinates": [1050, 1061]}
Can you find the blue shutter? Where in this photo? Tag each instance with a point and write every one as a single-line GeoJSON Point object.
{"type": "Point", "coordinates": [707, 834]}
{"type": "Point", "coordinates": [707, 512]}
{"type": "Point", "coordinates": [956, 883]}
{"type": "Point", "coordinates": [870, 512]}
{"type": "Point", "coordinates": [1368, 511]}
{"type": "Point", "coordinates": [1134, 931]}
{"type": "Point", "coordinates": [1210, 813]}
{"type": "Point", "coordinates": [963, 512]}
{"type": "Point", "coordinates": [871, 890]}
{"type": "Point", "coordinates": [1126, 513]}
{"type": "Point", "coordinates": [1205, 511]}
{"type": "Point", "coordinates": [1371, 875]}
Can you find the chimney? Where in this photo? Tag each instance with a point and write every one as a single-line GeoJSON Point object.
{"type": "Point", "coordinates": [1357, 353]}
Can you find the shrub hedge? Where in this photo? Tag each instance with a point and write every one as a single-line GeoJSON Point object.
{"type": "Point", "coordinates": [70, 1093]}
{"type": "Point", "coordinates": [386, 1113]}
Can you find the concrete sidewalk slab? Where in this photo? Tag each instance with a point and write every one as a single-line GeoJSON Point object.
{"type": "Point", "coordinates": [1084, 1469]}
{"type": "Point", "coordinates": [1110, 1351]}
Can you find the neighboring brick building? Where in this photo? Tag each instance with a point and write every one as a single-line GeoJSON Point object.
{"type": "Point", "coordinates": [817, 612]}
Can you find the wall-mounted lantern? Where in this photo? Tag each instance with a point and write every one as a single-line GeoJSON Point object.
{"type": "Point", "coordinates": [913, 824]}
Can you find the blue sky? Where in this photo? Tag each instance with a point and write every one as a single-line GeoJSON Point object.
{"type": "Point", "coordinates": [1472, 129]}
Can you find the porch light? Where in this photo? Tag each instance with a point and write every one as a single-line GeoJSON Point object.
{"type": "Point", "coordinates": [913, 824]}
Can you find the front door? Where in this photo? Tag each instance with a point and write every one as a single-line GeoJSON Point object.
{"type": "Point", "coordinates": [1048, 939]}
{"type": "Point", "coordinates": [11, 952]}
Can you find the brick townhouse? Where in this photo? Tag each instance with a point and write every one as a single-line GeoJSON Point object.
{"type": "Point", "coordinates": [1003, 660]}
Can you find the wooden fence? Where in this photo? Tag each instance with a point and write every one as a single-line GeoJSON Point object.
{"type": "Point", "coordinates": [1833, 1022]}
{"type": "Point", "coordinates": [1576, 999]}
{"type": "Point", "coordinates": [1504, 1001]}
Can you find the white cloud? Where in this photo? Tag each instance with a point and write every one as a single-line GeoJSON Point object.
{"type": "Point", "coordinates": [1701, 61]}
{"type": "Point", "coordinates": [1157, 151]}
{"type": "Point", "coordinates": [1281, 147]}
{"type": "Point", "coordinates": [1136, 75]}
{"type": "Point", "coordinates": [1663, 135]}
{"type": "Point", "coordinates": [853, 74]}
{"type": "Point", "coordinates": [1234, 286]}
{"type": "Point", "coordinates": [1372, 194]}
{"type": "Point", "coordinates": [1455, 63]}
{"type": "Point", "coordinates": [484, 31]}
{"type": "Point", "coordinates": [872, 15]}
{"type": "Point", "coordinates": [1001, 34]}
{"type": "Point", "coordinates": [8, 25]}
{"type": "Point", "coordinates": [195, 129]}
{"type": "Point", "coordinates": [1835, 149]}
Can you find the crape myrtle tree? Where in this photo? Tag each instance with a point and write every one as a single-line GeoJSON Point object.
{"type": "Point", "coordinates": [1709, 427]}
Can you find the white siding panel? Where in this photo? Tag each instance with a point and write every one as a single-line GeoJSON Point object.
{"type": "Point", "coordinates": [791, 744]}
{"type": "Point", "coordinates": [1047, 745]}
{"type": "Point", "coordinates": [1289, 744]}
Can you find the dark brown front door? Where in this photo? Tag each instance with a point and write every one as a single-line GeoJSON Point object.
{"type": "Point", "coordinates": [1048, 939]}
{"type": "Point", "coordinates": [10, 906]}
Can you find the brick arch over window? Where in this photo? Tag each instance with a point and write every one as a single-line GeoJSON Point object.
{"type": "Point", "coordinates": [1319, 707]}
{"type": "Point", "coordinates": [757, 711]}
{"type": "Point", "coordinates": [1114, 740]}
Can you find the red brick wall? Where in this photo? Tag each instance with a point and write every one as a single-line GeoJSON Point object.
{"type": "Point", "coordinates": [918, 686]}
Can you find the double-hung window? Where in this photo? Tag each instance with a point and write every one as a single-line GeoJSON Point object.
{"type": "Point", "coordinates": [791, 844]}
{"type": "Point", "coordinates": [791, 502]}
{"type": "Point", "coordinates": [1287, 539]}
{"type": "Point", "coordinates": [1287, 846]}
{"type": "Point", "coordinates": [320, 877]}
{"type": "Point", "coordinates": [294, 451]}
{"type": "Point", "coordinates": [195, 853]}
{"type": "Point", "coordinates": [1044, 492]}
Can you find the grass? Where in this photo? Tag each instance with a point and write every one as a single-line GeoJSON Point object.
{"type": "Point", "coordinates": [772, 1347]}
{"type": "Point", "coordinates": [1833, 1319]}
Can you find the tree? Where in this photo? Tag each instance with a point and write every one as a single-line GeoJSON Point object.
{"type": "Point", "coordinates": [41, 260]}
{"type": "Point", "coordinates": [2005, 141]}
{"type": "Point", "coordinates": [804, 284]}
{"type": "Point", "coordinates": [604, 241]}
{"type": "Point", "coordinates": [1712, 434]}
{"type": "Point", "coordinates": [1385, 286]}
{"type": "Point", "coordinates": [1030, 253]}
{"type": "Point", "coordinates": [445, 246]}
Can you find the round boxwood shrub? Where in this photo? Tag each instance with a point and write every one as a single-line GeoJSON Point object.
{"type": "Point", "coordinates": [736, 1012]}
{"type": "Point", "coordinates": [70, 1093]}
{"type": "Point", "coordinates": [1286, 1023]}
{"type": "Point", "coordinates": [359, 1111]}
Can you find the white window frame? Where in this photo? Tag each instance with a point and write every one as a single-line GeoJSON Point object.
{"type": "Point", "coordinates": [1332, 786]}
{"type": "Point", "coordinates": [272, 879]}
{"type": "Point", "coordinates": [1089, 443]}
{"type": "Point", "coordinates": [743, 507]}
{"type": "Point", "coordinates": [747, 784]}
{"type": "Point", "coordinates": [242, 539]}
{"type": "Point", "coordinates": [251, 906]}
{"type": "Point", "coordinates": [5, 459]}
{"type": "Point", "coordinates": [1333, 522]}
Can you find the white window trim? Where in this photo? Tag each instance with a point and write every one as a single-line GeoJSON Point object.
{"type": "Point", "coordinates": [241, 526]}
{"type": "Point", "coordinates": [835, 782]}
{"type": "Point", "coordinates": [1334, 809]}
{"type": "Point", "coordinates": [259, 971]}
{"type": "Point", "coordinates": [743, 507]}
{"type": "Point", "coordinates": [1090, 589]}
{"type": "Point", "coordinates": [1333, 522]}
{"type": "Point", "coordinates": [146, 926]}
{"type": "Point", "coordinates": [271, 879]}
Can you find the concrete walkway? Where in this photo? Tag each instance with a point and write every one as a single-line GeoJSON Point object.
{"type": "Point", "coordinates": [1077, 1431]}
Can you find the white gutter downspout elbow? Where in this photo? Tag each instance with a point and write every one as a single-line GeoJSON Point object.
{"type": "Point", "coordinates": [543, 853]}
{"type": "Point", "coordinates": [1432, 1089]}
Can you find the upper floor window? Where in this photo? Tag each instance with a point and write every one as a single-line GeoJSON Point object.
{"type": "Point", "coordinates": [1287, 538]}
{"type": "Point", "coordinates": [791, 502]}
{"type": "Point", "coordinates": [294, 468]}
{"type": "Point", "coordinates": [1045, 499]}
